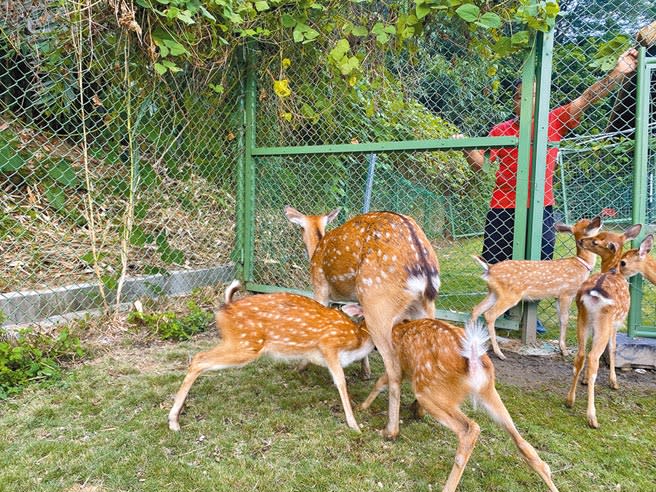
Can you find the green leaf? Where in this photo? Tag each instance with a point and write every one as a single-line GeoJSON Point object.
{"type": "Point", "coordinates": [261, 5]}
{"type": "Point", "coordinates": [422, 10]}
{"type": "Point", "coordinates": [287, 20]}
{"type": "Point", "coordinates": [207, 14]}
{"type": "Point", "coordinates": [468, 12]}
{"type": "Point", "coordinates": [359, 31]}
{"type": "Point", "coordinates": [170, 255]}
{"type": "Point", "coordinates": [140, 210]}
{"type": "Point", "coordinates": [64, 174]}
{"type": "Point", "coordinates": [519, 38]}
{"type": "Point", "coordinates": [56, 198]}
{"type": "Point", "coordinates": [10, 160]}
{"type": "Point", "coordinates": [298, 36]}
{"type": "Point", "coordinates": [185, 16]}
{"type": "Point", "coordinates": [339, 51]}
{"type": "Point", "coordinates": [490, 20]}
{"type": "Point", "coordinates": [138, 237]}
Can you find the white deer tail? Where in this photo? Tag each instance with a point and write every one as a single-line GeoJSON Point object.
{"type": "Point", "coordinates": [230, 290]}
{"type": "Point", "coordinates": [474, 346]}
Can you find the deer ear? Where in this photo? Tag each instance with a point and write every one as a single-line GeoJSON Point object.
{"type": "Point", "coordinates": [330, 216]}
{"type": "Point", "coordinates": [633, 231]}
{"type": "Point", "coordinates": [560, 227]}
{"type": "Point", "coordinates": [595, 223]}
{"type": "Point", "coordinates": [646, 245]}
{"type": "Point", "coordinates": [353, 309]}
{"type": "Point", "coordinates": [295, 216]}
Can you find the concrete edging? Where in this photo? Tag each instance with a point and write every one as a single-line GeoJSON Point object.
{"type": "Point", "coordinates": [33, 306]}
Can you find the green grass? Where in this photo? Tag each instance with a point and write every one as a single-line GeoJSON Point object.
{"type": "Point", "coordinates": [267, 427]}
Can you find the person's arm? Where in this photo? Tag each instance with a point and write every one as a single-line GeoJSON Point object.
{"type": "Point", "coordinates": [475, 157]}
{"type": "Point", "coordinates": [626, 64]}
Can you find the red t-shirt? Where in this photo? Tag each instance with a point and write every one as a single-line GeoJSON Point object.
{"type": "Point", "coordinates": [503, 196]}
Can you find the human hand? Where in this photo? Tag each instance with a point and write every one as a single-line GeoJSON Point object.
{"type": "Point", "coordinates": [627, 62]}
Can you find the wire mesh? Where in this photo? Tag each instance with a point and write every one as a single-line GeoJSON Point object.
{"type": "Point", "coordinates": [103, 173]}
{"type": "Point", "coordinates": [87, 153]}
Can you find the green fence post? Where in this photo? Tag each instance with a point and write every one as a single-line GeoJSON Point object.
{"type": "Point", "coordinates": [640, 154]}
{"type": "Point", "coordinates": [246, 178]}
{"type": "Point", "coordinates": [538, 163]}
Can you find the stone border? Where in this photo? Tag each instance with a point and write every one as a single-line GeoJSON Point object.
{"type": "Point", "coordinates": [34, 306]}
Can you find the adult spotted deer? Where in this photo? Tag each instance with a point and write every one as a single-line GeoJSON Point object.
{"type": "Point", "coordinates": [512, 281]}
{"type": "Point", "coordinates": [603, 303]}
{"type": "Point", "coordinates": [445, 365]}
{"type": "Point", "coordinates": [284, 326]}
{"type": "Point", "coordinates": [638, 260]}
{"type": "Point", "coordinates": [385, 262]}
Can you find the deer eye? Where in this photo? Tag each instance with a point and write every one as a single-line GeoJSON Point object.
{"type": "Point", "coordinates": [623, 263]}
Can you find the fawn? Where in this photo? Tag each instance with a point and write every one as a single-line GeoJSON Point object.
{"type": "Point", "coordinates": [385, 262]}
{"type": "Point", "coordinates": [603, 304]}
{"type": "Point", "coordinates": [445, 365]}
{"type": "Point", "coordinates": [512, 281]}
{"type": "Point", "coordinates": [284, 326]}
{"type": "Point", "coordinates": [638, 260]}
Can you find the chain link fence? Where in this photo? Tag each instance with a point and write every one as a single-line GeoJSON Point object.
{"type": "Point", "coordinates": [93, 143]}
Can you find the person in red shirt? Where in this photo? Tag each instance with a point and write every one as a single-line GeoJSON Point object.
{"type": "Point", "coordinates": [500, 219]}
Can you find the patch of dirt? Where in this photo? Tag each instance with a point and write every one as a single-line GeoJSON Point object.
{"type": "Point", "coordinates": [537, 372]}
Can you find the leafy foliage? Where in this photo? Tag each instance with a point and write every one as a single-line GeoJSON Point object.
{"type": "Point", "coordinates": [35, 357]}
{"type": "Point", "coordinates": [168, 325]}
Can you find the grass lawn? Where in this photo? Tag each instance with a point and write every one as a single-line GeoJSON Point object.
{"type": "Point", "coordinates": [267, 427]}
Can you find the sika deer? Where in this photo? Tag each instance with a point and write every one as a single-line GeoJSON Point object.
{"type": "Point", "coordinates": [512, 281]}
{"type": "Point", "coordinates": [385, 262]}
{"type": "Point", "coordinates": [445, 365]}
{"type": "Point", "coordinates": [603, 303]}
{"type": "Point", "coordinates": [284, 326]}
{"type": "Point", "coordinates": [638, 260]}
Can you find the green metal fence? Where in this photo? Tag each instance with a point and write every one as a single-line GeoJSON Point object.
{"type": "Point", "coordinates": [197, 166]}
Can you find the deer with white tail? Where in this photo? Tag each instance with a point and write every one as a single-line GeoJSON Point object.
{"type": "Point", "coordinates": [445, 365]}
{"type": "Point", "coordinates": [283, 326]}
{"type": "Point", "coordinates": [512, 281]}
{"type": "Point", "coordinates": [385, 262]}
{"type": "Point", "coordinates": [603, 304]}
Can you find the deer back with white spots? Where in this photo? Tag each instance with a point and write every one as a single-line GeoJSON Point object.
{"type": "Point", "coordinates": [384, 261]}
{"type": "Point", "coordinates": [283, 326]}
{"type": "Point", "coordinates": [512, 281]}
{"type": "Point", "coordinates": [603, 304]}
{"type": "Point", "coordinates": [445, 365]}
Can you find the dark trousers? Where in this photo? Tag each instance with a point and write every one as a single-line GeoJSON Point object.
{"type": "Point", "coordinates": [499, 230]}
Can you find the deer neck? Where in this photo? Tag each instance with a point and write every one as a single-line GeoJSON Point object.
{"type": "Point", "coordinates": [649, 271]}
{"type": "Point", "coordinates": [586, 258]}
{"type": "Point", "coordinates": [312, 237]}
{"type": "Point", "coordinates": [611, 261]}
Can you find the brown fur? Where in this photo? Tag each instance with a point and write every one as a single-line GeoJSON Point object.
{"type": "Point", "coordinates": [385, 262]}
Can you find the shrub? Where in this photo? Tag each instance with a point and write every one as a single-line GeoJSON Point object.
{"type": "Point", "coordinates": [168, 325]}
{"type": "Point", "coordinates": [35, 357]}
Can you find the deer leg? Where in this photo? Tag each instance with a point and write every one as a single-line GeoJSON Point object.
{"type": "Point", "coordinates": [499, 413]}
{"type": "Point", "coordinates": [579, 359]}
{"type": "Point", "coordinates": [380, 329]}
{"type": "Point", "coordinates": [380, 385]}
{"type": "Point", "coordinates": [612, 346]}
{"type": "Point", "coordinates": [501, 306]}
{"type": "Point", "coordinates": [564, 302]}
{"type": "Point", "coordinates": [220, 357]}
{"type": "Point", "coordinates": [484, 305]}
{"type": "Point", "coordinates": [336, 371]}
{"type": "Point", "coordinates": [467, 431]}
{"type": "Point", "coordinates": [599, 343]}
